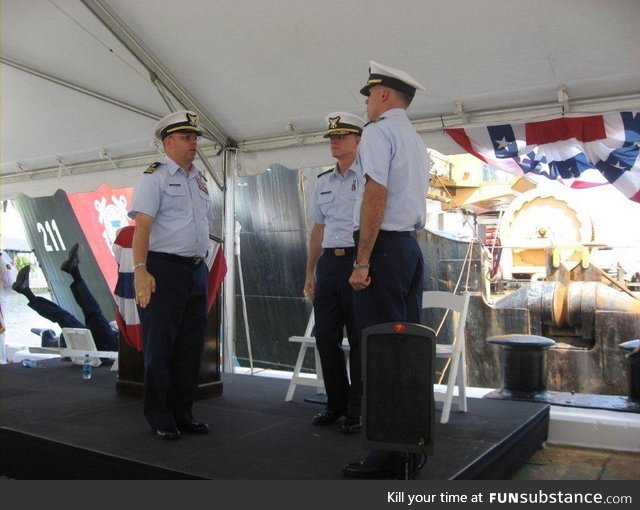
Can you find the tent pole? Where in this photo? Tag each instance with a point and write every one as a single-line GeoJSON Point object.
{"type": "Point", "coordinates": [138, 49]}
{"type": "Point", "coordinates": [229, 168]}
{"type": "Point", "coordinates": [242, 294]}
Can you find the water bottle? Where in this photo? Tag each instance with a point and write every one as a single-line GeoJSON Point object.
{"type": "Point", "coordinates": [86, 367]}
{"type": "Point", "coordinates": [29, 363]}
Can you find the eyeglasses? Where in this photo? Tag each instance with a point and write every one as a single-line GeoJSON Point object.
{"type": "Point", "coordinates": [188, 137]}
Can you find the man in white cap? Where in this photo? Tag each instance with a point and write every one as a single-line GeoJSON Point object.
{"type": "Point", "coordinates": [388, 270]}
{"type": "Point", "coordinates": [8, 278]}
{"type": "Point", "coordinates": [172, 211]}
{"type": "Point", "coordinates": [329, 265]}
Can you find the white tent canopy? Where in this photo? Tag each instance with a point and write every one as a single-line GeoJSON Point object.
{"type": "Point", "coordinates": [83, 82]}
{"type": "Point", "coordinates": [80, 98]}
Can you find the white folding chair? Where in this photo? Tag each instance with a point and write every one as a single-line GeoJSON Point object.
{"type": "Point", "coordinates": [457, 305]}
{"type": "Point", "coordinates": [80, 342]}
{"type": "Point", "coordinates": [307, 341]}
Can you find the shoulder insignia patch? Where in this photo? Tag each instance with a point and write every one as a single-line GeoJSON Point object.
{"type": "Point", "coordinates": [152, 167]}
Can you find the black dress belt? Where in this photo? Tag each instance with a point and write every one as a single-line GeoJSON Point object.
{"type": "Point", "coordinates": [338, 252]}
{"type": "Point", "coordinates": [388, 233]}
{"type": "Point", "coordinates": [170, 257]}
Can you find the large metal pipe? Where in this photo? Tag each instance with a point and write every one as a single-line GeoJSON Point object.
{"type": "Point", "coordinates": [544, 299]}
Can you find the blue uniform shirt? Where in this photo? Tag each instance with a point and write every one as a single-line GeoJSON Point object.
{"type": "Point", "coordinates": [392, 153]}
{"type": "Point", "coordinates": [180, 206]}
{"type": "Point", "coordinates": [334, 198]}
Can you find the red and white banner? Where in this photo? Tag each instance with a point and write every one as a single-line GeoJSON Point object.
{"type": "Point", "coordinates": [124, 293]}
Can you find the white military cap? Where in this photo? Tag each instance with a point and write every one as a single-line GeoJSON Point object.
{"type": "Point", "coordinates": [343, 123]}
{"type": "Point", "coordinates": [176, 122]}
{"type": "Point", "coordinates": [390, 77]}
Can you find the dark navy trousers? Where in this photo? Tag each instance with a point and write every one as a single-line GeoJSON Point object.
{"type": "Point", "coordinates": [333, 311]}
{"type": "Point", "coordinates": [397, 274]}
{"type": "Point", "coordinates": [174, 328]}
{"type": "Point", "coordinates": [394, 295]}
{"type": "Point", "coordinates": [105, 338]}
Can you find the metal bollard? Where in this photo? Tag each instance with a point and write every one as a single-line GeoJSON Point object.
{"type": "Point", "coordinates": [524, 364]}
{"type": "Point", "coordinates": [633, 368]}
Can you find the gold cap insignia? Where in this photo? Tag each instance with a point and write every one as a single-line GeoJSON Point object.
{"type": "Point", "coordinates": [193, 119]}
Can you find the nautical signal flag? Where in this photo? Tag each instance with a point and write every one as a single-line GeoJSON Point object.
{"type": "Point", "coordinates": [578, 151]}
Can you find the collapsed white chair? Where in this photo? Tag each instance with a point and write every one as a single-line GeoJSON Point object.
{"type": "Point", "coordinates": [457, 305]}
{"type": "Point", "coordinates": [80, 343]}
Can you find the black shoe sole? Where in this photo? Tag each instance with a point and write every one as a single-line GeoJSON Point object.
{"type": "Point", "coordinates": [22, 280]}
{"type": "Point", "coordinates": [322, 420]}
{"type": "Point", "coordinates": [168, 435]}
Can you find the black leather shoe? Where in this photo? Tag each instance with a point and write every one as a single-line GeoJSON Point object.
{"type": "Point", "coordinates": [22, 280]}
{"type": "Point", "coordinates": [363, 469]}
{"type": "Point", "coordinates": [327, 417]}
{"type": "Point", "coordinates": [351, 425]}
{"type": "Point", "coordinates": [195, 427]}
{"type": "Point", "coordinates": [168, 433]}
{"type": "Point", "coordinates": [71, 264]}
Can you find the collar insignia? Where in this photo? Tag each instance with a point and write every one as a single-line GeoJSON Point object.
{"type": "Point", "coordinates": [202, 184]}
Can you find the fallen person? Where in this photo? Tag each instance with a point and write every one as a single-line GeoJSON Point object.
{"type": "Point", "coordinates": [104, 335]}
